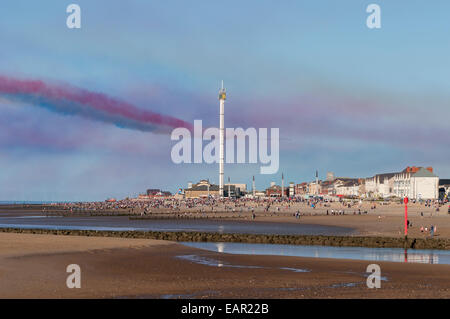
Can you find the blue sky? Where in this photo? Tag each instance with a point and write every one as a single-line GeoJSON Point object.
{"type": "Point", "coordinates": [346, 98]}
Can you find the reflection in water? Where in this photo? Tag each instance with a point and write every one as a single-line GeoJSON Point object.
{"type": "Point", "coordinates": [220, 247]}
{"type": "Point", "coordinates": [427, 256]}
{"type": "Point", "coordinates": [345, 284]}
{"type": "Point", "coordinates": [217, 263]}
{"type": "Point", "coordinates": [212, 262]}
{"type": "Point", "coordinates": [295, 269]}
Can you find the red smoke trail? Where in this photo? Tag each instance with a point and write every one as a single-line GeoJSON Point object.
{"type": "Point", "coordinates": [105, 108]}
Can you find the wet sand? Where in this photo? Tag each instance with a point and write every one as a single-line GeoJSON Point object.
{"type": "Point", "coordinates": [34, 266]}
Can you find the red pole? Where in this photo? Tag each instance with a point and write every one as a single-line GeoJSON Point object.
{"type": "Point", "coordinates": [406, 215]}
{"type": "Point", "coordinates": [406, 219]}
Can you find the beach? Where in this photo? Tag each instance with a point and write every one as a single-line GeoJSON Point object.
{"type": "Point", "coordinates": [34, 266]}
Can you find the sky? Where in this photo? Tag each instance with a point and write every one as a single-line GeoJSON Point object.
{"type": "Point", "coordinates": [86, 114]}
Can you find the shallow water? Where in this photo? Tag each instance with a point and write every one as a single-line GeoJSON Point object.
{"type": "Point", "coordinates": [207, 261]}
{"type": "Point", "coordinates": [123, 223]}
{"type": "Point", "coordinates": [427, 256]}
{"type": "Point", "coordinates": [213, 262]}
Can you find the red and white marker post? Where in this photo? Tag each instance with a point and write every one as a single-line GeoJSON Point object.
{"type": "Point", "coordinates": [405, 200]}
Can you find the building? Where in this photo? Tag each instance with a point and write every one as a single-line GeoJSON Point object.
{"type": "Point", "coordinates": [241, 186]}
{"type": "Point", "coordinates": [276, 191]}
{"type": "Point", "coordinates": [380, 185]}
{"type": "Point", "coordinates": [348, 187]}
{"type": "Point", "coordinates": [202, 189]}
{"type": "Point", "coordinates": [301, 189]}
{"type": "Point", "coordinates": [327, 187]}
{"type": "Point", "coordinates": [291, 189]}
{"type": "Point", "coordinates": [362, 187]}
{"type": "Point", "coordinates": [416, 183]}
{"type": "Point", "coordinates": [314, 188]}
{"type": "Point", "coordinates": [235, 190]}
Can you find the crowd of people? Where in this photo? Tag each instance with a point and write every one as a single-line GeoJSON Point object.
{"type": "Point", "coordinates": [294, 206]}
{"type": "Point", "coordinates": [201, 205]}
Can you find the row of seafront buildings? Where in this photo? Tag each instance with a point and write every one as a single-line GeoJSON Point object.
{"type": "Point", "coordinates": [413, 182]}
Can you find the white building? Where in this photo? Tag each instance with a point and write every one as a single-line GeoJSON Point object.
{"type": "Point", "coordinates": [347, 188]}
{"type": "Point", "coordinates": [380, 185]}
{"type": "Point", "coordinates": [420, 184]}
{"type": "Point", "coordinates": [241, 186]}
{"type": "Point", "coordinates": [314, 188]}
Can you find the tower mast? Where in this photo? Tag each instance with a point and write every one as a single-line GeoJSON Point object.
{"type": "Point", "coordinates": [222, 98]}
{"type": "Point", "coordinates": [253, 187]}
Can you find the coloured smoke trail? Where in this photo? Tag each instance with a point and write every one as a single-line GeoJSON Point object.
{"type": "Point", "coordinates": [68, 100]}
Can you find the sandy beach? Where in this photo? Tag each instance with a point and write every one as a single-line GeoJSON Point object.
{"type": "Point", "coordinates": [34, 266]}
{"type": "Point", "coordinates": [384, 220]}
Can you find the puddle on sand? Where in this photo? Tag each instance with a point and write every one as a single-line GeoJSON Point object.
{"type": "Point", "coordinates": [295, 269]}
{"type": "Point", "coordinates": [217, 263]}
{"type": "Point", "coordinates": [213, 262]}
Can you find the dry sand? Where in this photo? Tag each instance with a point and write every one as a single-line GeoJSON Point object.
{"type": "Point", "coordinates": [34, 266]}
{"type": "Point", "coordinates": [372, 225]}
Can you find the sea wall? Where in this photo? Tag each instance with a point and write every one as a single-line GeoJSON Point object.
{"type": "Point", "coordinates": [344, 241]}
